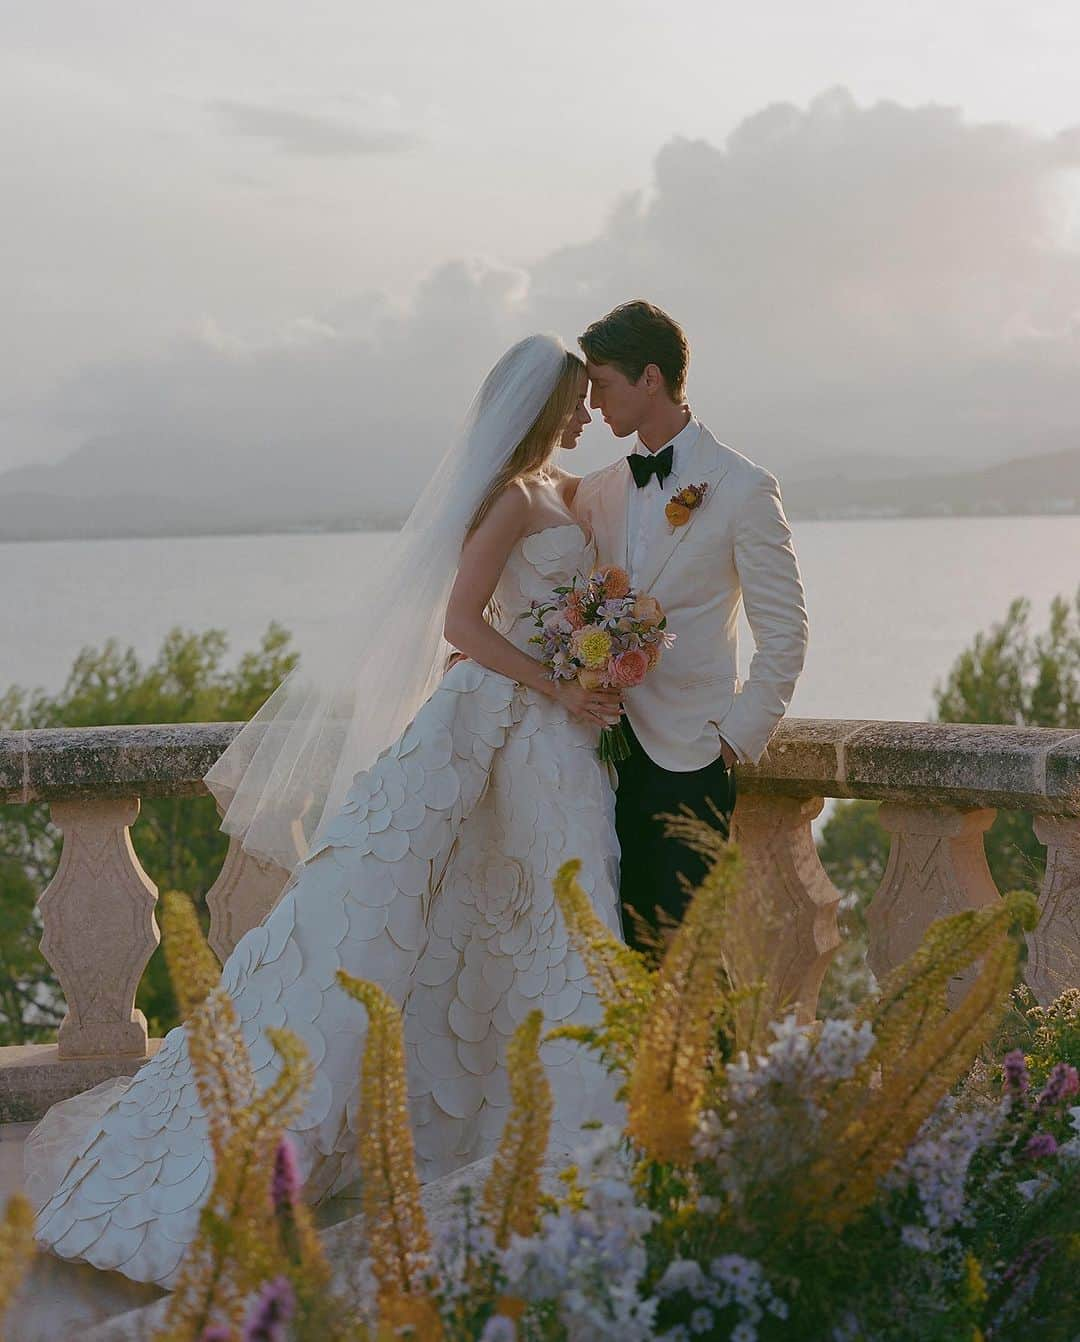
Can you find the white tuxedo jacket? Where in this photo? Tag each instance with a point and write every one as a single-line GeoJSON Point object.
{"type": "Point", "coordinates": [735, 550]}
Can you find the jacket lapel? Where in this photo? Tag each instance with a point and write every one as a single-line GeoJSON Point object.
{"type": "Point", "coordinates": [708, 467]}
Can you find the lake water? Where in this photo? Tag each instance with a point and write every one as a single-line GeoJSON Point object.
{"type": "Point", "coordinates": [891, 602]}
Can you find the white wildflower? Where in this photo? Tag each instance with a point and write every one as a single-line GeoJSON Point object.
{"type": "Point", "coordinates": [681, 1274]}
{"type": "Point", "coordinates": [937, 1162]}
{"type": "Point", "coordinates": [916, 1237]}
{"type": "Point", "coordinates": [499, 1329]}
{"type": "Point", "coordinates": [1027, 1188]}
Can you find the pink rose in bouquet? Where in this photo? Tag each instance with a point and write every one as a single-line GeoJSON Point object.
{"type": "Point", "coordinates": [629, 668]}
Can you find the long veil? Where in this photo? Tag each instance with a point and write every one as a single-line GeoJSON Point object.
{"type": "Point", "coordinates": [286, 773]}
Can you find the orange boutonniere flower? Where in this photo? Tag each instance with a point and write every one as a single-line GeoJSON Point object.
{"type": "Point", "coordinates": [683, 504]}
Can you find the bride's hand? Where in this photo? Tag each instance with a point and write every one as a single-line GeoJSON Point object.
{"type": "Point", "coordinates": [602, 707]}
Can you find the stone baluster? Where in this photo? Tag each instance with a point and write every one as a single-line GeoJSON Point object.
{"type": "Point", "coordinates": [790, 935]}
{"type": "Point", "coordinates": [1054, 946]}
{"type": "Point", "coordinates": [241, 897]}
{"type": "Point", "coordinates": [99, 929]}
{"type": "Point", "coordinates": [937, 866]}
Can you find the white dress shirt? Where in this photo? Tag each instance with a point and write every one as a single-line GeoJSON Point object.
{"type": "Point", "coordinates": [645, 507]}
{"type": "Point", "coordinates": [645, 518]}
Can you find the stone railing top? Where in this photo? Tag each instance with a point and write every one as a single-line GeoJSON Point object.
{"type": "Point", "coordinates": [1021, 768]}
{"type": "Point", "coordinates": [65, 763]}
{"type": "Point", "coordinates": [957, 764]}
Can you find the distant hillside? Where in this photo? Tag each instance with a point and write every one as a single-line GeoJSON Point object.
{"type": "Point", "coordinates": [1042, 484]}
{"type": "Point", "coordinates": [113, 488]}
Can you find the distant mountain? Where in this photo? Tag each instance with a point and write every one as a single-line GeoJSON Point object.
{"type": "Point", "coordinates": [114, 487]}
{"type": "Point", "coordinates": [1049, 483]}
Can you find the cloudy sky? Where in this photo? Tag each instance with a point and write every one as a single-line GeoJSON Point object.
{"type": "Point", "coordinates": [262, 218]}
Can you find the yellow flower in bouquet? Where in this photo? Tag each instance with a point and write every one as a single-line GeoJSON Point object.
{"type": "Point", "coordinates": [592, 647]}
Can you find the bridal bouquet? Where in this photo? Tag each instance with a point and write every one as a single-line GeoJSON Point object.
{"type": "Point", "coordinates": [604, 634]}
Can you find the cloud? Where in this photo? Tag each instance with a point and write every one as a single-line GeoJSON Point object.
{"type": "Point", "coordinates": [309, 135]}
{"type": "Point", "coordinates": [858, 282]}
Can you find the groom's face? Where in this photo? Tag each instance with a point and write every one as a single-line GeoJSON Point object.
{"type": "Point", "coordinates": [622, 403]}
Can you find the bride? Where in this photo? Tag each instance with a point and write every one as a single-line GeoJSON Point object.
{"type": "Point", "coordinates": [430, 810]}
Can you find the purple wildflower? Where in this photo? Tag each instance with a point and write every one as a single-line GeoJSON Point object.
{"type": "Point", "coordinates": [274, 1307]}
{"type": "Point", "coordinates": [286, 1183]}
{"type": "Point", "coordinates": [1062, 1083]}
{"type": "Point", "coordinates": [1014, 1066]}
{"type": "Point", "coordinates": [1022, 1274]}
{"type": "Point", "coordinates": [216, 1332]}
{"type": "Point", "coordinates": [1042, 1144]}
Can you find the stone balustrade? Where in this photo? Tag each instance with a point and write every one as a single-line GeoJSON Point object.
{"type": "Point", "coordinates": [941, 784]}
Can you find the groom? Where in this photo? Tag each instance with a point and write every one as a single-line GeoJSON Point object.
{"type": "Point", "coordinates": [727, 544]}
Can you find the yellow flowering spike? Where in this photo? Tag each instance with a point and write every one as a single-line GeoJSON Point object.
{"type": "Point", "coordinates": [623, 982]}
{"type": "Point", "coordinates": [677, 1044]}
{"type": "Point", "coordinates": [232, 1253]}
{"type": "Point", "coordinates": [512, 1192]}
{"type": "Point", "coordinates": [410, 1318]}
{"type": "Point", "coordinates": [752, 933]}
{"type": "Point", "coordinates": [975, 1281]}
{"type": "Point", "coordinates": [914, 996]}
{"type": "Point", "coordinates": [192, 965]}
{"type": "Point", "coordinates": [397, 1232]}
{"type": "Point", "coordinates": [220, 1064]}
{"type": "Point", "coordinates": [921, 1050]}
{"type": "Point", "coordinates": [16, 1247]}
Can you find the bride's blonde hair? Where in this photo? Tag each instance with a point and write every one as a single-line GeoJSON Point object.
{"type": "Point", "coordinates": [540, 440]}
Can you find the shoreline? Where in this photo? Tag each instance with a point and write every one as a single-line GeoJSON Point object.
{"type": "Point", "coordinates": [242, 533]}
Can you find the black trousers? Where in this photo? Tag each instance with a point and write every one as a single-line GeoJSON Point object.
{"type": "Point", "coordinates": [651, 863]}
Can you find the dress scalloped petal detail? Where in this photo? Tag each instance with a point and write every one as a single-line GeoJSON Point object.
{"type": "Point", "coordinates": [435, 880]}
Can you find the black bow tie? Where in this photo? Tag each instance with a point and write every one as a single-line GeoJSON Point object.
{"type": "Point", "coordinates": [645, 465]}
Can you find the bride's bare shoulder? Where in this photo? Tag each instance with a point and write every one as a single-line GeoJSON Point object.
{"type": "Point", "coordinates": [565, 483]}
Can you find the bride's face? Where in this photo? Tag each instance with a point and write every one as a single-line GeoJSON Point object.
{"type": "Point", "coordinates": [578, 419]}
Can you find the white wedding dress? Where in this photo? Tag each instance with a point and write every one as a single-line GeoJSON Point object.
{"type": "Point", "coordinates": [435, 880]}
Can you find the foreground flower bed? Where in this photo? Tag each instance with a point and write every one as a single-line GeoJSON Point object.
{"type": "Point", "coordinates": [910, 1173]}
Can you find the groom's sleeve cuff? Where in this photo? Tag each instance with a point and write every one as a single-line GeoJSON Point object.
{"type": "Point", "coordinates": [741, 756]}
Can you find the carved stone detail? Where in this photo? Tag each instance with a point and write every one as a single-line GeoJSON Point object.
{"type": "Point", "coordinates": [937, 867]}
{"type": "Point", "coordinates": [795, 915]}
{"type": "Point", "coordinates": [241, 897]}
{"type": "Point", "coordinates": [99, 929]}
{"type": "Point", "coordinates": [1054, 946]}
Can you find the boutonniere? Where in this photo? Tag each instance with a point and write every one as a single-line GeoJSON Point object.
{"type": "Point", "coordinates": [682, 504]}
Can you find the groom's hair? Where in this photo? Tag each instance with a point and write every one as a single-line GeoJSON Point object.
{"type": "Point", "coordinates": [636, 334]}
